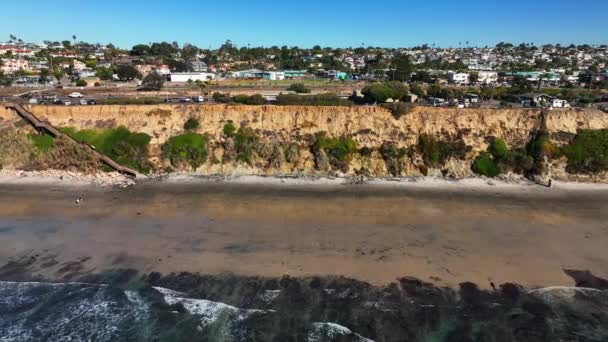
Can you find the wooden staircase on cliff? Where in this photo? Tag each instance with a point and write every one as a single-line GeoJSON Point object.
{"type": "Point", "coordinates": [46, 127]}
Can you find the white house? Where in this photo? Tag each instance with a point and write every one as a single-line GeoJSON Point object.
{"type": "Point", "coordinates": [458, 77]}
{"type": "Point", "coordinates": [9, 66]}
{"type": "Point", "coordinates": [557, 103]}
{"type": "Point", "coordinates": [487, 77]}
{"type": "Point", "coordinates": [194, 76]}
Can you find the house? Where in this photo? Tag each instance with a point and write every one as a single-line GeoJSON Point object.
{"type": "Point", "coordinates": [163, 70]}
{"type": "Point", "coordinates": [487, 77]}
{"type": "Point", "coordinates": [191, 76]}
{"type": "Point", "coordinates": [558, 103]}
{"type": "Point", "coordinates": [251, 73]}
{"type": "Point", "coordinates": [458, 77]}
{"type": "Point", "coordinates": [85, 73]}
{"type": "Point", "coordinates": [144, 69]}
{"type": "Point", "coordinates": [78, 65]}
{"type": "Point", "coordinates": [535, 100]}
{"type": "Point", "coordinates": [11, 65]}
{"type": "Point", "coordinates": [274, 75]}
{"type": "Point", "coordinates": [198, 66]}
{"type": "Point", "coordinates": [292, 74]}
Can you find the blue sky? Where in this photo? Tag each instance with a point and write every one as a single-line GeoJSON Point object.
{"type": "Point", "coordinates": [337, 23]}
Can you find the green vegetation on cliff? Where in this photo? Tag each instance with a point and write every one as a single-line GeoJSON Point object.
{"type": "Point", "coordinates": [187, 148]}
{"type": "Point", "coordinates": [42, 142]}
{"type": "Point", "coordinates": [484, 165]}
{"type": "Point", "coordinates": [125, 147]}
{"type": "Point", "coordinates": [246, 141]}
{"type": "Point", "coordinates": [588, 152]}
{"type": "Point", "coordinates": [435, 152]}
{"type": "Point", "coordinates": [340, 148]}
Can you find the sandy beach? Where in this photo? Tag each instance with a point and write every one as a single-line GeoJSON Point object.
{"type": "Point", "coordinates": [441, 231]}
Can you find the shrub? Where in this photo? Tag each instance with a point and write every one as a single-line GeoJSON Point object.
{"type": "Point", "coordinates": [399, 109]}
{"type": "Point", "coordinates": [392, 157]}
{"type": "Point", "coordinates": [131, 100]}
{"type": "Point", "coordinates": [299, 88]}
{"type": "Point", "coordinates": [191, 124]}
{"type": "Point", "coordinates": [498, 148]}
{"type": "Point", "coordinates": [588, 152]}
{"type": "Point", "coordinates": [124, 147]}
{"type": "Point", "coordinates": [380, 92]}
{"type": "Point", "coordinates": [189, 148]}
{"type": "Point", "coordinates": [81, 83]}
{"type": "Point", "coordinates": [42, 142]}
{"type": "Point", "coordinates": [221, 98]}
{"type": "Point", "coordinates": [327, 99]}
{"type": "Point", "coordinates": [435, 152]}
{"type": "Point", "coordinates": [541, 147]}
{"type": "Point", "coordinates": [339, 149]}
{"type": "Point", "coordinates": [152, 81]}
{"type": "Point", "coordinates": [255, 99]}
{"type": "Point", "coordinates": [485, 165]}
{"type": "Point", "coordinates": [229, 129]}
{"type": "Point", "coordinates": [245, 141]}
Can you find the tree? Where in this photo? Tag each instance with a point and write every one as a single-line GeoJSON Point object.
{"type": "Point", "coordinates": [380, 92]}
{"type": "Point", "coordinates": [299, 88]}
{"type": "Point", "coordinates": [520, 85]}
{"type": "Point", "coordinates": [58, 74]}
{"type": "Point", "coordinates": [104, 73]}
{"type": "Point", "coordinates": [127, 73]}
{"type": "Point", "coordinates": [5, 80]}
{"type": "Point", "coordinates": [140, 50]}
{"type": "Point", "coordinates": [153, 81]}
{"type": "Point", "coordinates": [402, 68]}
{"type": "Point", "coordinates": [473, 77]}
{"type": "Point", "coordinates": [44, 75]}
{"type": "Point", "coordinates": [66, 44]}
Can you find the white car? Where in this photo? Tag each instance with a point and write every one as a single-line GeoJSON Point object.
{"type": "Point", "coordinates": [75, 95]}
{"type": "Point", "coordinates": [67, 103]}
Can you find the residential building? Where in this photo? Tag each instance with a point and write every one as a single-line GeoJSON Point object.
{"type": "Point", "coordinates": [194, 76]}
{"type": "Point", "coordinates": [487, 77]}
{"type": "Point", "coordinates": [198, 66]}
{"type": "Point", "coordinates": [78, 65]}
{"type": "Point", "coordinates": [274, 75]}
{"type": "Point", "coordinates": [460, 78]}
{"type": "Point", "coordinates": [11, 65]}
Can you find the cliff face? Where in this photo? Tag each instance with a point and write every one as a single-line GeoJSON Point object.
{"type": "Point", "coordinates": [370, 127]}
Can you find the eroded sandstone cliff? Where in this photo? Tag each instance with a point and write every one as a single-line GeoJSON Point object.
{"type": "Point", "coordinates": [281, 128]}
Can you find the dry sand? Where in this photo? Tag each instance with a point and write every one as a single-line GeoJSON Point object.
{"type": "Point", "coordinates": [375, 232]}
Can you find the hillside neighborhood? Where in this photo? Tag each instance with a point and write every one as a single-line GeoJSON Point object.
{"type": "Point", "coordinates": [524, 74]}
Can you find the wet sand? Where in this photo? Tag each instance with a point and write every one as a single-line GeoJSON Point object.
{"type": "Point", "coordinates": [362, 232]}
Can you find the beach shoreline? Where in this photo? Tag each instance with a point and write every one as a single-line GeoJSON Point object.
{"type": "Point", "coordinates": [507, 184]}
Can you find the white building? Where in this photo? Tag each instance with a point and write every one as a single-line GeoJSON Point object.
{"type": "Point", "coordinates": [557, 103]}
{"type": "Point", "coordinates": [487, 77]}
{"type": "Point", "coordinates": [458, 77]}
{"type": "Point", "coordinates": [194, 76]}
{"type": "Point", "coordinates": [11, 65]}
{"type": "Point", "coordinates": [274, 75]}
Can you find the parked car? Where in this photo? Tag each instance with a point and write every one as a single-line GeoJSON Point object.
{"type": "Point", "coordinates": [198, 99]}
{"type": "Point", "coordinates": [83, 102]}
{"type": "Point", "coordinates": [67, 103]}
{"type": "Point", "coordinates": [91, 102]}
{"type": "Point", "coordinates": [185, 99]}
{"type": "Point", "coordinates": [57, 101]}
{"type": "Point", "coordinates": [75, 95]}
